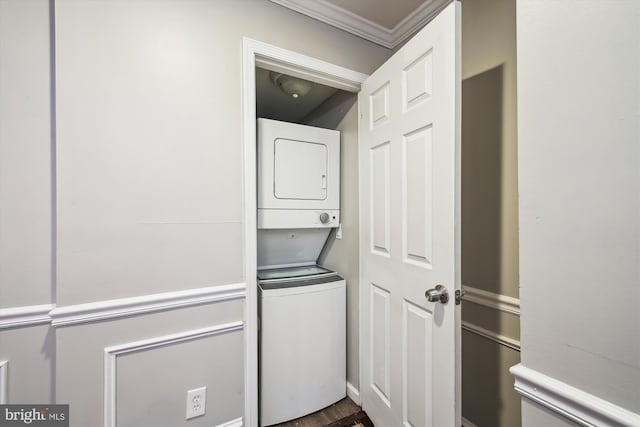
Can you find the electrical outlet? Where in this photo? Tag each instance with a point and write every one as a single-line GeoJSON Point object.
{"type": "Point", "coordinates": [196, 402]}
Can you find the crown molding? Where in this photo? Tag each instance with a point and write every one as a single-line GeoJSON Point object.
{"type": "Point", "coordinates": [333, 15]}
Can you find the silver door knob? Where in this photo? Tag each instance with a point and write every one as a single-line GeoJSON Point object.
{"type": "Point", "coordinates": [437, 294]}
{"type": "Point", "coordinates": [324, 217]}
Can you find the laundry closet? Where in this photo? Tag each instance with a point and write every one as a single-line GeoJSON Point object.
{"type": "Point", "coordinates": [302, 292]}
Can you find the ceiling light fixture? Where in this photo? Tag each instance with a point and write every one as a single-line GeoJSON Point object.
{"type": "Point", "coordinates": [292, 86]}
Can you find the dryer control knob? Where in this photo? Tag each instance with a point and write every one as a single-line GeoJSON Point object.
{"type": "Point", "coordinates": [324, 217]}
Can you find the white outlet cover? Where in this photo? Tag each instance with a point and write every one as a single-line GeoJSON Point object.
{"type": "Point", "coordinates": [196, 402]}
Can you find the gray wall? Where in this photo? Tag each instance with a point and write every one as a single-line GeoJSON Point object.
{"type": "Point", "coordinates": [147, 189]}
{"type": "Point", "coordinates": [579, 165]}
{"type": "Point", "coordinates": [489, 208]}
{"type": "Point", "coordinates": [342, 255]}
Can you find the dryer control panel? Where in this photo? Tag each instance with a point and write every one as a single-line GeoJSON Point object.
{"type": "Point", "coordinates": [291, 218]}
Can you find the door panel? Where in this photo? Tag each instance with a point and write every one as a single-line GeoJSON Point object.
{"type": "Point", "coordinates": [409, 185]}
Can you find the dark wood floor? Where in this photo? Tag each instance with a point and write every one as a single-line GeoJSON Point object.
{"type": "Point", "coordinates": [335, 412]}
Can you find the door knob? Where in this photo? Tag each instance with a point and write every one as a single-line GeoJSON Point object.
{"type": "Point", "coordinates": [439, 293]}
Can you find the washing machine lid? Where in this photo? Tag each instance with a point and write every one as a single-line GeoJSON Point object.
{"type": "Point", "coordinates": [293, 273]}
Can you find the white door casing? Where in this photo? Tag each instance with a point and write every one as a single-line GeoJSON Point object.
{"type": "Point", "coordinates": [409, 133]}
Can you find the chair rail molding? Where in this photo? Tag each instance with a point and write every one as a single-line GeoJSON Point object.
{"type": "Point", "coordinates": [111, 354]}
{"type": "Point", "coordinates": [571, 402]}
{"type": "Point", "coordinates": [341, 18]}
{"type": "Point", "coordinates": [30, 315]}
{"type": "Point", "coordinates": [489, 299]}
{"type": "Point", "coordinates": [124, 307]}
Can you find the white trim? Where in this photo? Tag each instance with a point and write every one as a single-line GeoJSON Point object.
{"type": "Point", "coordinates": [500, 302]}
{"type": "Point", "coordinates": [499, 338]}
{"type": "Point", "coordinates": [233, 423]}
{"type": "Point", "coordinates": [341, 18]}
{"type": "Point", "coordinates": [467, 423]}
{"type": "Point", "coordinates": [274, 58]}
{"type": "Point", "coordinates": [353, 393]}
{"type": "Point", "coordinates": [571, 402]}
{"type": "Point", "coordinates": [123, 307]}
{"type": "Point", "coordinates": [31, 315]}
{"type": "Point", "coordinates": [111, 353]}
{"type": "Point", "coordinates": [298, 65]}
{"type": "Point", "coordinates": [4, 382]}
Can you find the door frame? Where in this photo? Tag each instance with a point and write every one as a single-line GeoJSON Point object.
{"type": "Point", "coordinates": [259, 54]}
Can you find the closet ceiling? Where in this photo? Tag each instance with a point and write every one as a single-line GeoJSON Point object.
{"type": "Point", "coordinates": [272, 103]}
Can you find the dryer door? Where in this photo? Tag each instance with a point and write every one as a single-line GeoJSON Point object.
{"type": "Point", "coordinates": [300, 170]}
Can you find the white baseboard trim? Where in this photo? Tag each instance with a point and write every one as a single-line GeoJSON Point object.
{"type": "Point", "coordinates": [353, 393]}
{"type": "Point", "coordinates": [112, 353]}
{"type": "Point", "coordinates": [4, 382]}
{"type": "Point", "coordinates": [499, 338]}
{"type": "Point", "coordinates": [467, 423]}
{"type": "Point", "coordinates": [499, 302]}
{"type": "Point", "coordinates": [124, 307]}
{"type": "Point", "coordinates": [31, 315]}
{"type": "Point", "coordinates": [233, 423]}
{"type": "Point", "coordinates": [573, 403]}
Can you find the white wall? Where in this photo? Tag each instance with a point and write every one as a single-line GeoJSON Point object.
{"type": "Point", "coordinates": [579, 176]}
{"type": "Point", "coordinates": [147, 191]}
{"type": "Point", "coordinates": [25, 154]}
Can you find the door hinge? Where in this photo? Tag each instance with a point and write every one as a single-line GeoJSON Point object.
{"type": "Point", "coordinates": [459, 295]}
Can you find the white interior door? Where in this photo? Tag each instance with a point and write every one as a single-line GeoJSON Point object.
{"type": "Point", "coordinates": [410, 181]}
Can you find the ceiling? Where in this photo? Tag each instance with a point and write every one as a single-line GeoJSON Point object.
{"type": "Point", "coordinates": [384, 22]}
{"type": "Point", "coordinates": [272, 103]}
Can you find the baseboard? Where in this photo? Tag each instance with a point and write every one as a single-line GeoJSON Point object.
{"type": "Point", "coordinates": [570, 402]}
{"type": "Point", "coordinates": [233, 423]}
{"type": "Point", "coordinates": [353, 393]}
{"type": "Point", "coordinates": [467, 423]}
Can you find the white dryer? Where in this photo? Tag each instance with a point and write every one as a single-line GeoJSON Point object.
{"type": "Point", "coordinates": [298, 176]}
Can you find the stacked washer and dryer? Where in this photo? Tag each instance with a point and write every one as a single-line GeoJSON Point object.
{"type": "Point", "coordinates": [302, 306]}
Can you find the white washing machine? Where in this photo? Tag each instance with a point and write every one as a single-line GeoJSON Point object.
{"type": "Point", "coordinates": [302, 341]}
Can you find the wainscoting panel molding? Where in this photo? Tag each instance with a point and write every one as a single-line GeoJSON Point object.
{"type": "Point", "coordinates": [233, 423]}
{"type": "Point", "coordinates": [4, 381]}
{"type": "Point", "coordinates": [111, 354]}
{"type": "Point", "coordinates": [573, 403]}
{"type": "Point", "coordinates": [467, 423]}
{"type": "Point", "coordinates": [498, 338]}
{"type": "Point", "coordinates": [124, 307]}
{"type": "Point", "coordinates": [489, 299]}
{"type": "Point", "coordinates": [31, 315]}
